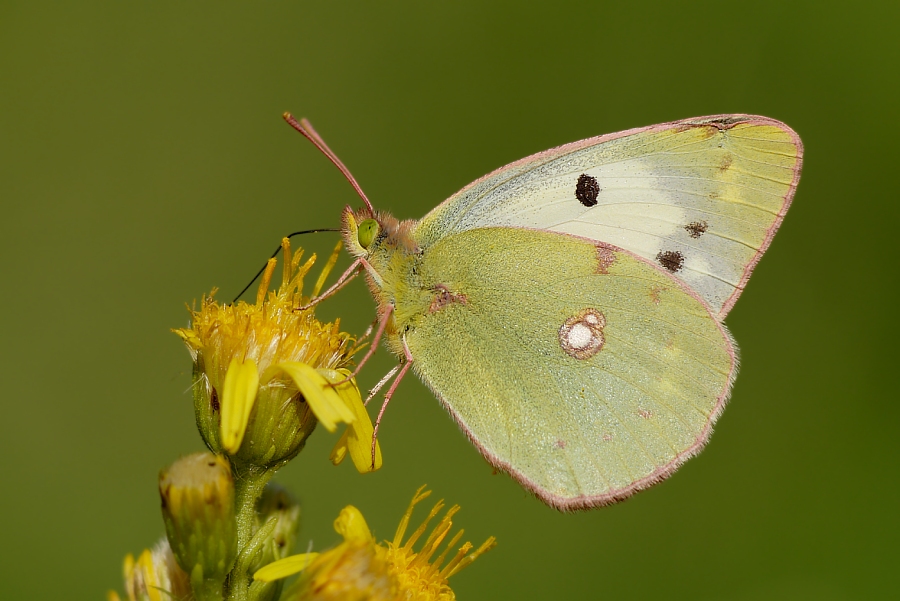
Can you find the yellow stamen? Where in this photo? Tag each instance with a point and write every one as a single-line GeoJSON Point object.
{"type": "Point", "coordinates": [421, 529]}
{"type": "Point", "coordinates": [265, 281]}
{"type": "Point", "coordinates": [437, 535]}
{"type": "Point", "coordinates": [404, 521]}
{"type": "Point", "coordinates": [445, 573]}
{"type": "Point", "coordinates": [440, 559]}
{"type": "Point", "coordinates": [286, 261]}
{"type": "Point", "coordinates": [327, 269]}
{"type": "Point", "coordinates": [486, 546]}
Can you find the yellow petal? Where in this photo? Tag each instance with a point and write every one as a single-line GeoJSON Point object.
{"type": "Point", "coordinates": [238, 396]}
{"type": "Point", "coordinates": [357, 438]}
{"type": "Point", "coordinates": [339, 452]}
{"type": "Point", "coordinates": [151, 582]}
{"type": "Point", "coordinates": [128, 572]}
{"type": "Point", "coordinates": [324, 401]}
{"type": "Point", "coordinates": [284, 567]}
{"type": "Point", "coordinates": [352, 525]}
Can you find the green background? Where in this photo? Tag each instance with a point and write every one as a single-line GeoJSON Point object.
{"type": "Point", "coordinates": [143, 161]}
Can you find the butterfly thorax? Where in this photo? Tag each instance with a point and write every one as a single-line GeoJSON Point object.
{"type": "Point", "coordinates": [392, 258]}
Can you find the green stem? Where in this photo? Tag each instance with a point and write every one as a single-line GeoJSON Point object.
{"type": "Point", "coordinates": [248, 488]}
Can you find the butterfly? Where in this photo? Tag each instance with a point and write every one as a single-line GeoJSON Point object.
{"type": "Point", "coordinates": [567, 309]}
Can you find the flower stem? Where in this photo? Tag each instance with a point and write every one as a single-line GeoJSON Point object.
{"type": "Point", "coordinates": [248, 488]}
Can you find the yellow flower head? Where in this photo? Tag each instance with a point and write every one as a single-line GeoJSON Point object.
{"type": "Point", "coordinates": [266, 373]}
{"type": "Point", "coordinates": [155, 576]}
{"type": "Point", "coordinates": [360, 568]}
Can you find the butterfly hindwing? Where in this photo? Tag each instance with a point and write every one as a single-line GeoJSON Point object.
{"type": "Point", "coordinates": [700, 198]}
{"type": "Point", "coordinates": [584, 371]}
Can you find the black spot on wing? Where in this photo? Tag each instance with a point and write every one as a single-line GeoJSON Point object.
{"type": "Point", "coordinates": [671, 260]}
{"type": "Point", "coordinates": [695, 229]}
{"type": "Point", "coordinates": [587, 189]}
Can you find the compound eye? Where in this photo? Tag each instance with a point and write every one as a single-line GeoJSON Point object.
{"type": "Point", "coordinates": [368, 229]}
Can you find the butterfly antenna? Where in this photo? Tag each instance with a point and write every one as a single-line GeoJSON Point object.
{"type": "Point", "coordinates": [274, 254]}
{"type": "Point", "coordinates": [306, 128]}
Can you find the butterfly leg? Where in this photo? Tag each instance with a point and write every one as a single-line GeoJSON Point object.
{"type": "Point", "coordinates": [348, 275]}
{"type": "Point", "coordinates": [382, 382]}
{"type": "Point", "coordinates": [368, 331]}
{"type": "Point", "coordinates": [383, 320]}
{"type": "Point", "coordinates": [372, 348]}
{"type": "Point", "coordinates": [407, 362]}
{"type": "Point", "coordinates": [361, 341]}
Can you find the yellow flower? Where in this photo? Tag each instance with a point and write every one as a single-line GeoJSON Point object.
{"type": "Point", "coordinates": [266, 373]}
{"type": "Point", "coordinates": [155, 576]}
{"type": "Point", "coordinates": [359, 568]}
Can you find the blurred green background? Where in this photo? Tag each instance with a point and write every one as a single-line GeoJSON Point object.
{"type": "Point", "coordinates": [143, 161]}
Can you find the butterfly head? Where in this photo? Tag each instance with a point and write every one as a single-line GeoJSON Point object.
{"type": "Point", "coordinates": [360, 230]}
{"type": "Point", "coordinates": [367, 233]}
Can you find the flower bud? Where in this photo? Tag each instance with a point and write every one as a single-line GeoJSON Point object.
{"type": "Point", "coordinates": [198, 508]}
{"type": "Point", "coordinates": [277, 502]}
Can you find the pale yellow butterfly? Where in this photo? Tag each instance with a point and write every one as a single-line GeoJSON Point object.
{"type": "Point", "coordinates": [567, 309]}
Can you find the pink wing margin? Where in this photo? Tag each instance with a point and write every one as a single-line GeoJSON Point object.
{"type": "Point", "coordinates": [722, 122]}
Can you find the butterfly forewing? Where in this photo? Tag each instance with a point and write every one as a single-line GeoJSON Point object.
{"type": "Point", "coordinates": [699, 198]}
